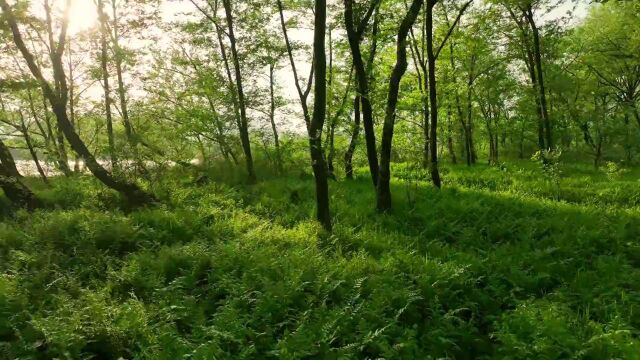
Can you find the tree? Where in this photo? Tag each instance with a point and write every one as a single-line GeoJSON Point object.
{"type": "Point", "coordinates": [384, 175]}
{"type": "Point", "coordinates": [319, 112]}
{"type": "Point", "coordinates": [58, 97]}
{"type": "Point", "coordinates": [104, 62]}
{"type": "Point", "coordinates": [244, 124]}
{"type": "Point", "coordinates": [354, 35]}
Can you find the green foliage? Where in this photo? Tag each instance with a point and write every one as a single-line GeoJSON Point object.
{"type": "Point", "coordinates": [492, 266]}
{"type": "Point", "coordinates": [614, 171]}
{"type": "Point", "coordinates": [550, 165]}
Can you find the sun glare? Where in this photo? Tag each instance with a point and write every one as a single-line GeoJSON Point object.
{"type": "Point", "coordinates": [82, 16]}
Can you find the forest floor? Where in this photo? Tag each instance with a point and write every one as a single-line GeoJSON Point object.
{"type": "Point", "coordinates": [503, 262]}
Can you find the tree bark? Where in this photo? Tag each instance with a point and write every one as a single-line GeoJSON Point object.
{"type": "Point", "coordinates": [433, 96]}
{"type": "Point", "coordinates": [32, 150]}
{"type": "Point", "coordinates": [354, 36]}
{"type": "Point", "coordinates": [534, 83]}
{"type": "Point", "coordinates": [348, 156]}
{"type": "Point", "coordinates": [20, 195]}
{"type": "Point", "coordinates": [122, 93]}
{"type": "Point", "coordinates": [420, 61]}
{"type": "Point", "coordinates": [105, 84]}
{"type": "Point", "coordinates": [537, 52]}
{"type": "Point", "coordinates": [72, 106]}
{"type": "Point", "coordinates": [272, 116]}
{"type": "Point", "coordinates": [11, 182]}
{"type": "Point", "coordinates": [57, 139]}
{"type": "Point", "coordinates": [384, 176]}
{"type": "Point", "coordinates": [244, 124]}
{"type": "Point", "coordinates": [450, 147]}
{"type": "Point", "coordinates": [319, 112]}
{"type": "Point", "coordinates": [7, 160]}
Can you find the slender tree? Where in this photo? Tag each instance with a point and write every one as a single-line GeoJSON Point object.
{"type": "Point", "coordinates": [319, 112]}
{"type": "Point", "coordinates": [244, 123]}
{"type": "Point", "coordinates": [104, 64]}
{"type": "Point", "coordinates": [384, 176]}
{"type": "Point", "coordinates": [355, 33]}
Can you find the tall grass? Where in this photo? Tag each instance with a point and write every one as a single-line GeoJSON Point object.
{"type": "Point", "coordinates": [498, 264]}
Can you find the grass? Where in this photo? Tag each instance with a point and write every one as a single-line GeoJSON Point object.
{"type": "Point", "coordinates": [503, 263]}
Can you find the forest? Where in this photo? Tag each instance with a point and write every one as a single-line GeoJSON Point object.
{"type": "Point", "coordinates": [319, 179]}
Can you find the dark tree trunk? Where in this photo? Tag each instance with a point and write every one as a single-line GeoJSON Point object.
{"type": "Point", "coordinates": [354, 36]}
{"type": "Point", "coordinates": [467, 145]}
{"type": "Point", "coordinates": [433, 96]}
{"type": "Point", "coordinates": [492, 145]}
{"type": "Point", "coordinates": [468, 126]}
{"type": "Point", "coordinates": [534, 84]}
{"type": "Point", "coordinates": [348, 156]}
{"type": "Point", "coordinates": [9, 164]}
{"type": "Point", "coordinates": [384, 176]}
{"type": "Point", "coordinates": [537, 52]}
{"type": "Point", "coordinates": [20, 195]}
{"type": "Point", "coordinates": [11, 182]}
{"type": "Point", "coordinates": [319, 112]}
{"type": "Point", "coordinates": [244, 124]}
{"type": "Point", "coordinates": [530, 63]}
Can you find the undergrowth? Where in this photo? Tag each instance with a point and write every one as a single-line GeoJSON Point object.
{"type": "Point", "coordinates": [499, 264]}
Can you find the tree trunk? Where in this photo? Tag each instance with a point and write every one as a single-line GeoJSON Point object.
{"type": "Point", "coordinates": [57, 140]}
{"type": "Point", "coordinates": [534, 84]}
{"type": "Point", "coordinates": [331, 124]}
{"type": "Point", "coordinates": [7, 160]}
{"type": "Point", "coordinates": [11, 182]}
{"type": "Point", "coordinates": [20, 195]}
{"type": "Point", "coordinates": [244, 125]}
{"type": "Point", "coordinates": [122, 93]}
{"type": "Point", "coordinates": [272, 117]}
{"type": "Point", "coordinates": [636, 112]}
{"type": "Point", "coordinates": [224, 146]}
{"type": "Point", "coordinates": [32, 150]}
{"type": "Point", "coordinates": [302, 94]}
{"type": "Point", "coordinates": [72, 107]}
{"type": "Point", "coordinates": [348, 156]}
{"type": "Point", "coordinates": [433, 96]}
{"type": "Point", "coordinates": [491, 145]}
{"type": "Point", "coordinates": [355, 39]}
{"type": "Point", "coordinates": [540, 74]}
{"type": "Point", "coordinates": [105, 84]}
{"type": "Point", "coordinates": [452, 151]}
{"type": "Point", "coordinates": [384, 176]}
{"type": "Point", "coordinates": [319, 112]}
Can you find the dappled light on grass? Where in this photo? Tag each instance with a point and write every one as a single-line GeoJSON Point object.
{"type": "Point", "coordinates": [235, 270]}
